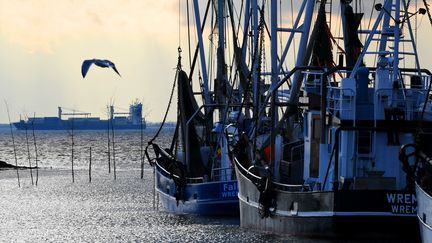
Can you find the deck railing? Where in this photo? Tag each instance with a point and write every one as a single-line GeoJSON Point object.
{"type": "Point", "coordinates": [341, 103]}
{"type": "Point", "coordinates": [223, 174]}
{"type": "Point", "coordinates": [408, 101]}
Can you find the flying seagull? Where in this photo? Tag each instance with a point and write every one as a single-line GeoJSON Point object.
{"type": "Point", "coordinates": [100, 63]}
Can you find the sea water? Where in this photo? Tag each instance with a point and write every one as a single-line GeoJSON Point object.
{"type": "Point", "coordinates": [105, 210]}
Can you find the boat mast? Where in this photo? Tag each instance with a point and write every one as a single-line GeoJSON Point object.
{"type": "Point", "coordinates": [221, 83]}
{"type": "Point", "coordinates": [396, 40]}
{"type": "Point", "coordinates": [386, 22]}
{"type": "Point", "coordinates": [274, 75]}
{"type": "Point", "coordinates": [202, 54]}
{"type": "Point", "coordinates": [273, 45]}
{"type": "Point", "coordinates": [302, 56]}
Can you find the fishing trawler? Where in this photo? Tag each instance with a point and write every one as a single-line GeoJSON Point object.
{"type": "Point", "coordinates": [83, 121]}
{"type": "Point", "coordinates": [416, 160]}
{"type": "Point", "coordinates": [195, 175]}
{"type": "Point", "coordinates": [321, 156]}
{"type": "Point", "coordinates": [424, 201]}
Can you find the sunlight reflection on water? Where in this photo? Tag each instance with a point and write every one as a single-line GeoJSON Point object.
{"type": "Point", "coordinates": [103, 210]}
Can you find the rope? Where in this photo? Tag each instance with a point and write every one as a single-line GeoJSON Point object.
{"type": "Point", "coordinates": [178, 68]}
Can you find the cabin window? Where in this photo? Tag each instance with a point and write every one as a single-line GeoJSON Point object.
{"type": "Point", "coordinates": [315, 142]}
{"type": "Point", "coordinates": [306, 126]}
{"type": "Point", "coordinates": [316, 134]}
{"type": "Point", "coordinates": [364, 142]}
{"type": "Point", "coordinates": [329, 136]}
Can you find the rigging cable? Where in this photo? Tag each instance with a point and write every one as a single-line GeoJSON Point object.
{"type": "Point", "coordinates": [430, 81]}
{"type": "Point", "coordinates": [428, 11]}
{"type": "Point", "coordinates": [252, 59]}
{"type": "Point", "coordinates": [197, 48]}
{"type": "Point", "coordinates": [189, 39]}
{"type": "Point", "coordinates": [370, 17]}
{"type": "Point", "coordinates": [179, 23]}
{"type": "Point", "coordinates": [211, 62]}
{"type": "Point", "coordinates": [364, 41]}
{"type": "Point", "coordinates": [405, 13]}
{"type": "Point", "coordinates": [239, 18]}
{"type": "Point", "coordinates": [292, 23]}
{"type": "Point", "coordinates": [235, 33]}
{"type": "Point", "coordinates": [227, 40]}
{"type": "Point", "coordinates": [178, 69]}
{"type": "Point", "coordinates": [416, 21]}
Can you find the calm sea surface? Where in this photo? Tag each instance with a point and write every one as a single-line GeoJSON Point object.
{"type": "Point", "coordinates": [104, 210]}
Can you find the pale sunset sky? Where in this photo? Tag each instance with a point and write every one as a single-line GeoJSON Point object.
{"type": "Point", "coordinates": [43, 43]}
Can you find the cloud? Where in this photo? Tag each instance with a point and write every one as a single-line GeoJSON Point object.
{"type": "Point", "coordinates": [40, 25]}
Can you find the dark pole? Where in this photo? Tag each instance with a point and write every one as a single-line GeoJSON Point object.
{"type": "Point", "coordinates": [109, 143]}
{"type": "Point", "coordinates": [13, 144]}
{"type": "Point", "coordinates": [28, 155]}
{"type": "Point", "coordinates": [35, 147]}
{"type": "Point", "coordinates": [72, 149]}
{"type": "Point", "coordinates": [112, 140]}
{"type": "Point", "coordinates": [90, 164]}
{"type": "Point", "coordinates": [141, 150]}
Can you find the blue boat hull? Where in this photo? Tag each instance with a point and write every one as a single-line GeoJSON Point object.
{"type": "Point", "coordinates": [204, 198]}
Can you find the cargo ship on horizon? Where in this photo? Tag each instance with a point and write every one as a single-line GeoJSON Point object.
{"type": "Point", "coordinates": [125, 120]}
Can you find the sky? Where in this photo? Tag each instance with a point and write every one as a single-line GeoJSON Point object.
{"type": "Point", "coordinates": [43, 43]}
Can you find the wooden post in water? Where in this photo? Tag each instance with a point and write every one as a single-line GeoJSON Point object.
{"type": "Point", "coordinates": [154, 189]}
{"type": "Point", "coordinates": [72, 149]}
{"type": "Point", "coordinates": [28, 155]}
{"type": "Point", "coordinates": [13, 144]}
{"type": "Point", "coordinates": [112, 140]}
{"type": "Point", "coordinates": [141, 149]}
{"type": "Point", "coordinates": [109, 143]}
{"type": "Point", "coordinates": [90, 162]}
{"type": "Point", "coordinates": [113, 155]}
{"type": "Point", "coordinates": [157, 201]}
{"type": "Point", "coordinates": [35, 147]}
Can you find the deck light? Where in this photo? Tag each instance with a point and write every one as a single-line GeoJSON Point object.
{"type": "Point", "coordinates": [378, 7]}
